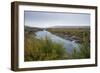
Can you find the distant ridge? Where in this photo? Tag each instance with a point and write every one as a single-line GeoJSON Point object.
{"type": "Point", "coordinates": [28, 28]}
{"type": "Point", "coordinates": [69, 27]}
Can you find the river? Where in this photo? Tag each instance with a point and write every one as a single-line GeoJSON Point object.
{"type": "Point", "coordinates": [68, 44]}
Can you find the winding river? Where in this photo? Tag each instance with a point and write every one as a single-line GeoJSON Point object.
{"type": "Point", "coordinates": [69, 45]}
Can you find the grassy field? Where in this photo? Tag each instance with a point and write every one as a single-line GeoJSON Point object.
{"type": "Point", "coordinates": [81, 34]}
{"type": "Point", "coordinates": [46, 49]}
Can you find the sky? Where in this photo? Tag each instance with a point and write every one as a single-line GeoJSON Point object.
{"type": "Point", "coordinates": [49, 19]}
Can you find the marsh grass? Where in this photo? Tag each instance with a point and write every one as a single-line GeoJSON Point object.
{"type": "Point", "coordinates": [43, 49]}
{"type": "Point", "coordinates": [83, 53]}
{"type": "Point", "coordinates": [82, 34]}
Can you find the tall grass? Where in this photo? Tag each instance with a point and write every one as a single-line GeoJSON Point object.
{"type": "Point", "coordinates": [43, 49]}
{"type": "Point", "coordinates": [84, 52]}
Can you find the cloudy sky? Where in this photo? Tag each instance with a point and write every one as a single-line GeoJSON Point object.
{"type": "Point", "coordinates": [48, 19]}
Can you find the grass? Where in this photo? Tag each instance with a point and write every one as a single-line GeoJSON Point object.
{"type": "Point", "coordinates": [45, 49]}
{"type": "Point", "coordinates": [82, 34]}
{"type": "Point", "coordinates": [83, 53]}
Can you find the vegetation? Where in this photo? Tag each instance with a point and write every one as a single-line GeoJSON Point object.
{"type": "Point", "coordinates": [43, 49]}
{"type": "Point", "coordinates": [81, 34]}
{"type": "Point", "coordinates": [46, 49]}
{"type": "Point", "coordinates": [83, 53]}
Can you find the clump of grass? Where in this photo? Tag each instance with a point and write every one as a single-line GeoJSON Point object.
{"type": "Point", "coordinates": [83, 53]}
{"type": "Point", "coordinates": [43, 49]}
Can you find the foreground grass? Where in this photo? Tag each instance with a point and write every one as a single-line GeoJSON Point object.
{"type": "Point", "coordinates": [43, 49]}
{"type": "Point", "coordinates": [83, 53]}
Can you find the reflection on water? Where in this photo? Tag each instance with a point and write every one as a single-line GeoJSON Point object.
{"type": "Point", "coordinates": [69, 45]}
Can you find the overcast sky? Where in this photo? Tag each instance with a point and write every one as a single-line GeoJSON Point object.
{"type": "Point", "coordinates": [48, 19]}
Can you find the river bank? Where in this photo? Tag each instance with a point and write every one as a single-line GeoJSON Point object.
{"type": "Point", "coordinates": [75, 35]}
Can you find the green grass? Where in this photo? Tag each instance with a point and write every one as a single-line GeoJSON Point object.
{"type": "Point", "coordinates": [83, 53]}
{"type": "Point", "coordinates": [43, 49]}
